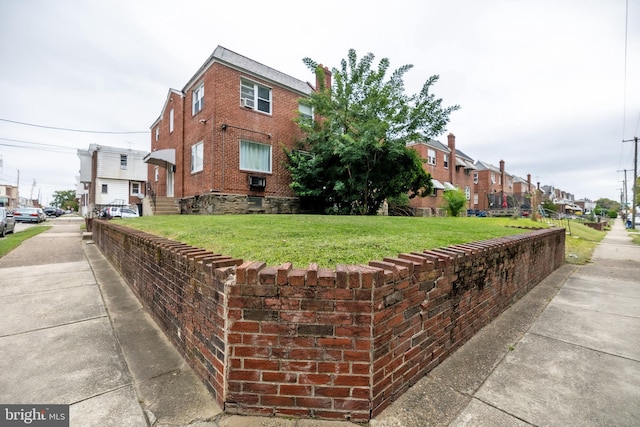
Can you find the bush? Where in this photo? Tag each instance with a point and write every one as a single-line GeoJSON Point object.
{"type": "Point", "coordinates": [455, 201]}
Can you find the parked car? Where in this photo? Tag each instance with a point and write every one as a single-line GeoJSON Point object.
{"type": "Point", "coordinates": [28, 215]}
{"type": "Point", "coordinates": [7, 222]}
{"type": "Point", "coordinates": [51, 211]}
{"type": "Point", "coordinates": [120, 212]}
{"type": "Point", "coordinates": [43, 216]}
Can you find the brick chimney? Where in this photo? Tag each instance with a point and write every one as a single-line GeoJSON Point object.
{"type": "Point", "coordinates": [502, 185]}
{"type": "Point", "coordinates": [451, 142]}
{"type": "Point", "coordinates": [327, 78]}
{"type": "Point", "coordinates": [528, 183]}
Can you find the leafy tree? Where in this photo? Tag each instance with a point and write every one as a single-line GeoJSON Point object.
{"type": "Point", "coordinates": [548, 206]}
{"type": "Point", "coordinates": [65, 199]}
{"type": "Point", "coordinates": [455, 201]}
{"type": "Point", "coordinates": [607, 205]}
{"type": "Point", "coordinates": [355, 155]}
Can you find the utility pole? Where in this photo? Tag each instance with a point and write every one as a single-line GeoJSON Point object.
{"type": "Point", "coordinates": [625, 199]}
{"type": "Point", "coordinates": [635, 181]}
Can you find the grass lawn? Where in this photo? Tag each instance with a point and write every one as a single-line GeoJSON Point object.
{"type": "Point", "coordinates": [326, 240]}
{"type": "Point", "coordinates": [13, 240]}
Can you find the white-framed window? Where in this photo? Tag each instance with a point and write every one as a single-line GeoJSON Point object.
{"type": "Point", "coordinates": [135, 188]}
{"type": "Point", "coordinates": [158, 132]}
{"type": "Point", "coordinates": [255, 157]}
{"type": "Point", "coordinates": [105, 189]}
{"type": "Point", "coordinates": [446, 161]}
{"type": "Point", "coordinates": [306, 112]}
{"type": "Point", "coordinates": [475, 198]}
{"type": "Point", "coordinates": [431, 157]}
{"type": "Point", "coordinates": [500, 179]}
{"type": "Point", "coordinates": [475, 177]}
{"type": "Point", "coordinates": [197, 157]}
{"type": "Point", "coordinates": [510, 182]}
{"type": "Point", "coordinates": [255, 96]}
{"type": "Point", "coordinates": [171, 120]}
{"type": "Point", "coordinates": [493, 178]}
{"type": "Point", "coordinates": [123, 161]}
{"type": "Point", "coordinates": [197, 99]}
{"type": "Point", "coordinates": [156, 174]}
{"type": "Point", "coordinates": [467, 192]}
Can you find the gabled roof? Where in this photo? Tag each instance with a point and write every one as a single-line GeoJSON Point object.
{"type": "Point", "coordinates": [242, 63]}
{"type": "Point", "coordinates": [166, 101]}
{"type": "Point", "coordinates": [433, 144]}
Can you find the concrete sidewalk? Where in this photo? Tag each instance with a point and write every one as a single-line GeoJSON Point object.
{"type": "Point", "coordinates": [72, 332]}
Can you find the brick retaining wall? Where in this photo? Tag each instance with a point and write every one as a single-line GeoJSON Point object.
{"type": "Point", "coordinates": [338, 343]}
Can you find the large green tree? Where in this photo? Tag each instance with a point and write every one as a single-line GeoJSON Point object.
{"type": "Point", "coordinates": [65, 199]}
{"type": "Point", "coordinates": [355, 154]}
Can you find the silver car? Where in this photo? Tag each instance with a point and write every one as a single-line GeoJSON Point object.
{"type": "Point", "coordinates": [7, 222]}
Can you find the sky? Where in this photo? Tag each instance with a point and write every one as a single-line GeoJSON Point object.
{"type": "Point", "coordinates": [552, 87]}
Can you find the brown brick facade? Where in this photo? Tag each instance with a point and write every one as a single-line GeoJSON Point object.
{"type": "Point", "coordinates": [338, 344]}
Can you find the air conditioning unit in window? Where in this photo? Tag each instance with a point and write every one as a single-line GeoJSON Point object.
{"type": "Point", "coordinates": [257, 181]}
{"type": "Point", "coordinates": [246, 102]}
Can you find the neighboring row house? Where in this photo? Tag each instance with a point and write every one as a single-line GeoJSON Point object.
{"type": "Point", "coordinates": [486, 187]}
{"type": "Point", "coordinates": [217, 146]}
{"type": "Point", "coordinates": [110, 176]}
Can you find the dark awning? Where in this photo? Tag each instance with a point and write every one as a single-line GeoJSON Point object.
{"type": "Point", "coordinates": [164, 158]}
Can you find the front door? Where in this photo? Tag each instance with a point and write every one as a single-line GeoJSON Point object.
{"type": "Point", "coordinates": [169, 182]}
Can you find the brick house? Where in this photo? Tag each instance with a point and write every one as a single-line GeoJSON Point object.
{"type": "Point", "coordinates": [449, 168]}
{"type": "Point", "coordinates": [494, 187]}
{"type": "Point", "coordinates": [217, 144]}
{"type": "Point", "coordinates": [110, 176]}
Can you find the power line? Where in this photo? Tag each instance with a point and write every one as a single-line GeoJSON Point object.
{"type": "Point", "coordinates": [72, 130]}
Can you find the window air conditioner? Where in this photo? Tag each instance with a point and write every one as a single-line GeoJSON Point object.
{"type": "Point", "coordinates": [246, 102]}
{"type": "Point", "coordinates": [257, 181]}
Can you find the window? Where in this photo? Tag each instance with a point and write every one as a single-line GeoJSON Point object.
{"type": "Point", "coordinates": [493, 178]}
{"type": "Point", "coordinates": [135, 188]}
{"type": "Point", "coordinates": [104, 188]}
{"type": "Point", "coordinates": [475, 198]}
{"type": "Point", "coordinates": [475, 177]}
{"type": "Point", "coordinates": [197, 157]}
{"type": "Point", "coordinates": [467, 192]}
{"type": "Point", "coordinates": [255, 96]}
{"type": "Point", "coordinates": [446, 161]}
{"type": "Point", "coordinates": [306, 112]}
{"type": "Point", "coordinates": [510, 182]}
{"type": "Point", "coordinates": [197, 100]}
{"type": "Point", "coordinates": [171, 120]}
{"type": "Point", "coordinates": [255, 157]}
{"type": "Point", "coordinates": [123, 161]}
{"type": "Point", "coordinates": [157, 133]}
{"type": "Point", "coordinates": [156, 173]}
{"type": "Point", "coordinates": [431, 157]}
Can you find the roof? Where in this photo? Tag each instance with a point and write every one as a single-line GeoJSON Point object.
{"type": "Point", "coordinates": [231, 59]}
{"type": "Point", "coordinates": [432, 143]}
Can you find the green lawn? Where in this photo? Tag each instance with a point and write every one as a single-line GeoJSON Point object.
{"type": "Point", "coordinates": [326, 240]}
{"type": "Point", "coordinates": [13, 240]}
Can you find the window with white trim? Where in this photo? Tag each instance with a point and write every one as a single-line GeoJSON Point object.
{"type": "Point", "coordinates": [255, 96]}
{"type": "Point", "coordinates": [475, 198]}
{"type": "Point", "coordinates": [475, 177]}
{"type": "Point", "coordinates": [493, 178]}
{"type": "Point", "coordinates": [104, 189]}
{"type": "Point", "coordinates": [197, 99]}
{"type": "Point", "coordinates": [135, 188]}
{"type": "Point", "coordinates": [255, 157]}
{"type": "Point", "coordinates": [156, 174]}
{"type": "Point", "coordinates": [158, 132]}
{"type": "Point", "coordinates": [431, 157]}
{"type": "Point", "coordinates": [197, 157]}
{"type": "Point", "coordinates": [171, 120]}
{"type": "Point", "coordinates": [467, 192]}
{"type": "Point", "coordinates": [306, 112]}
{"type": "Point", "coordinates": [123, 161]}
{"type": "Point", "coordinates": [446, 161]}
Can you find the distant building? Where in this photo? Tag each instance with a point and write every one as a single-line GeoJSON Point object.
{"type": "Point", "coordinates": [110, 175]}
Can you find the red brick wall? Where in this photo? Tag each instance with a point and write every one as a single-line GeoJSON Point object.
{"type": "Point", "coordinates": [337, 344]}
